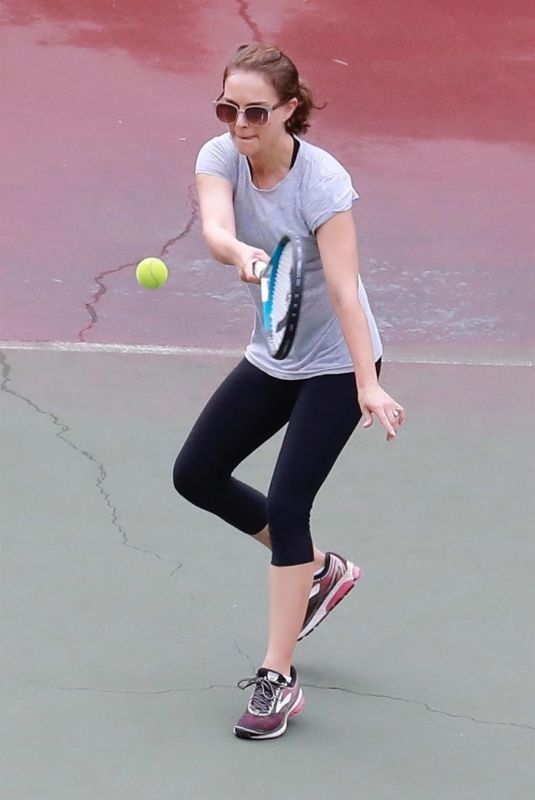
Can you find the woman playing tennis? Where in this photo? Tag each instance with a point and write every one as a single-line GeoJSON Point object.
{"type": "Point", "coordinates": [256, 183]}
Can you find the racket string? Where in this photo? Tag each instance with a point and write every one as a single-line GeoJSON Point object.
{"type": "Point", "coordinates": [281, 298]}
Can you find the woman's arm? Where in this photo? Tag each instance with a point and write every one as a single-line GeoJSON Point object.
{"type": "Point", "coordinates": [219, 226]}
{"type": "Point", "coordinates": [337, 243]}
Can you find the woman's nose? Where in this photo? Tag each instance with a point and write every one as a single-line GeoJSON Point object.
{"type": "Point", "coordinates": [241, 119]}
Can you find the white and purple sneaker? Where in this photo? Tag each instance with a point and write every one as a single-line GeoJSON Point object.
{"type": "Point", "coordinates": [272, 702]}
{"type": "Point", "coordinates": [328, 588]}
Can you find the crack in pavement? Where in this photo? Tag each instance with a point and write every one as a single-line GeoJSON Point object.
{"type": "Point", "coordinates": [307, 685]}
{"type": "Point", "coordinates": [245, 655]}
{"type": "Point", "coordinates": [419, 703]}
{"type": "Point", "coordinates": [102, 474]}
{"type": "Point", "coordinates": [94, 690]}
{"type": "Point", "coordinates": [101, 290]}
{"type": "Point", "coordinates": [240, 651]}
{"type": "Point", "coordinates": [99, 279]}
{"type": "Point", "coordinates": [194, 206]}
{"type": "Point", "coordinates": [243, 12]}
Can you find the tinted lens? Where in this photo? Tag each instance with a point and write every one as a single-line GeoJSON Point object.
{"type": "Point", "coordinates": [256, 115]}
{"type": "Point", "coordinates": [226, 113]}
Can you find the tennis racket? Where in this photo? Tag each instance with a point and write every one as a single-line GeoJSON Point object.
{"type": "Point", "coordinates": [281, 286]}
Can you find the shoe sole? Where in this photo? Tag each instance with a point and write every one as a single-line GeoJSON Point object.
{"type": "Point", "coordinates": [334, 597]}
{"type": "Point", "coordinates": [296, 708]}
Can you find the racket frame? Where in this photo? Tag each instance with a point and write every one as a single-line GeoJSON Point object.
{"type": "Point", "coordinates": [267, 273]}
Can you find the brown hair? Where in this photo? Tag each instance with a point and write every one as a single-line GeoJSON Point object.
{"type": "Point", "coordinates": [282, 73]}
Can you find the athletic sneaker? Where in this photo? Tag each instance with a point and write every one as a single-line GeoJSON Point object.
{"type": "Point", "coordinates": [273, 700]}
{"type": "Point", "coordinates": [328, 587]}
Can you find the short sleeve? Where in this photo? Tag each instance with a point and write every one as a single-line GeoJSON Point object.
{"type": "Point", "coordinates": [330, 195]}
{"type": "Point", "coordinates": [218, 157]}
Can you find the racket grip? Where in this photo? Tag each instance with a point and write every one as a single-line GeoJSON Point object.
{"type": "Point", "coordinates": [259, 267]}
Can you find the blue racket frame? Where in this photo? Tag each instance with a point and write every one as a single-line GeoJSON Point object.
{"type": "Point", "coordinates": [267, 281]}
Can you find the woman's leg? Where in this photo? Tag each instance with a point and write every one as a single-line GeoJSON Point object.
{"type": "Point", "coordinates": [323, 419]}
{"type": "Point", "coordinates": [264, 538]}
{"type": "Point", "coordinates": [245, 411]}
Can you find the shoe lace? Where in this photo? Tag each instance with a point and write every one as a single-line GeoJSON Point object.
{"type": "Point", "coordinates": [264, 696]}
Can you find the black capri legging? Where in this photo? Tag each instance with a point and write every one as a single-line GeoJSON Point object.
{"type": "Point", "coordinates": [247, 409]}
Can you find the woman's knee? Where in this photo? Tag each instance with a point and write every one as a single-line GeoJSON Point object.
{"type": "Point", "coordinates": [188, 480]}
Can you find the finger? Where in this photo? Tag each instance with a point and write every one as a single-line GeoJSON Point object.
{"type": "Point", "coordinates": [368, 418]}
{"type": "Point", "coordinates": [248, 277]}
{"type": "Point", "coordinates": [250, 271]}
{"type": "Point", "coordinates": [393, 417]}
{"type": "Point", "coordinates": [259, 267]}
{"type": "Point", "coordinates": [387, 425]}
{"type": "Point", "coordinates": [401, 414]}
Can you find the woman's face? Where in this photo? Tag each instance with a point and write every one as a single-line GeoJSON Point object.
{"type": "Point", "coordinates": [252, 88]}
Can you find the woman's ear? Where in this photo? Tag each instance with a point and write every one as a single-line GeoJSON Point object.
{"type": "Point", "coordinates": [290, 107]}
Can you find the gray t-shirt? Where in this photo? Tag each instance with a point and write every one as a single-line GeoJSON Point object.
{"type": "Point", "coordinates": [314, 190]}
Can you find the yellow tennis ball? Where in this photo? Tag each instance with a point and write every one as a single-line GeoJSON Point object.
{"type": "Point", "coordinates": [151, 273]}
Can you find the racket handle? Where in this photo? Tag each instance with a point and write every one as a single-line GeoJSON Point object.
{"type": "Point", "coordinates": [259, 267]}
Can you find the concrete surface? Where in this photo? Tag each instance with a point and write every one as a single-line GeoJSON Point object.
{"type": "Point", "coordinates": [128, 616]}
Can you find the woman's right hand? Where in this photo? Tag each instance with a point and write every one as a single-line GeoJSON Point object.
{"type": "Point", "coordinates": [245, 258]}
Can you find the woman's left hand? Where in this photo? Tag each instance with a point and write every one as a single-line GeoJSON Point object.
{"type": "Point", "coordinates": [390, 414]}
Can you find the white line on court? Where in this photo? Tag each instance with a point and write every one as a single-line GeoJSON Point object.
{"type": "Point", "coordinates": [108, 347]}
{"type": "Point", "coordinates": [159, 350]}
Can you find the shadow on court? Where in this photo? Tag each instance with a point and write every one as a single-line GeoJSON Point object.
{"type": "Point", "coordinates": [129, 616]}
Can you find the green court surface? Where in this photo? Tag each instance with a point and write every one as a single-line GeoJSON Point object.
{"type": "Point", "coordinates": [128, 616]}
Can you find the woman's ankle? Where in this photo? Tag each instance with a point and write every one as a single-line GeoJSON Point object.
{"type": "Point", "coordinates": [275, 665]}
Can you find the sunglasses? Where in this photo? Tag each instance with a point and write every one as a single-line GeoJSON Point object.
{"type": "Point", "coordinates": [254, 114]}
